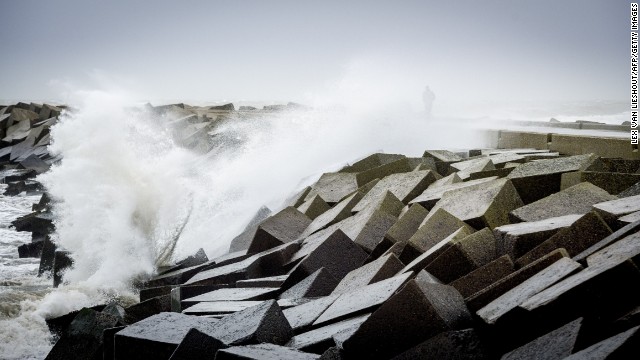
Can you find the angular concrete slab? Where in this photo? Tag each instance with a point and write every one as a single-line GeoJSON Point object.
{"type": "Point", "coordinates": [435, 251]}
{"type": "Point", "coordinates": [263, 351]}
{"type": "Point", "coordinates": [407, 224]}
{"type": "Point", "coordinates": [372, 161]}
{"type": "Point", "coordinates": [219, 307]}
{"type": "Point", "coordinates": [483, 276]}
{"type": "Point", "coordinates": [395, 167]}
{"type": "Point", "coordinates": [611, 210]}
{"type": "Point", "coordinates": [478, 165]}
{"type": "Point", "coordinates": [404, 251]}
{"type": "Point", "coordinates": [622, 346]}
{"type": "Point", "coordinates": [380, 269]}
{"type": "Point", "coordinates": [416, 313]}
{"type": "Point", "coordinates": [302, 316]}
{"type": "Point", "coordinates": [233, 294]}
{"type": "Point", "coordinates": [283, 227]}
{"type": "Point", "coordinates": [157, 336]}
{"type": "Point", "coordinates": [463, 256]}
{"type": "Point", "coordinates": [524, 176]}
{"type": "Point", "coordinates": [480, 299]}
{"type": "Point", "coordinates": [619, 234]}
{"type": "Point", "coordinates": [333, 187]}
{"type": "Point", "coordinates": [629, 219]}
{"type": "Point", "coordinates": [362, 299]}
{"type": "Point", "coordinates": [631, 191]}
{"type": "Point", "coordinates": [339, 212]}
{"type": "Point", "coordinates": [319, 283]}
{"type": "Point", "coordinates": [481, 205]}
{"type": "Point", "coordinates": [321, 339]}
{"type": "Point", "coordinates": [405, 186]}
{"type": "Point", "coordinates": [435, 228]}
{"type": "Point", "coordinates": [314, 207]}
{"type": "Point", "coordinates": [444, 181]}
{"type": "Point", "coordinates": [196, 345]}
{"type": "Point", "coordinates": [266, 282]}
{"type": "Point", "coordinates": [557, 344]}
{"type": "Point", "coordinates": [588, 230]}
{"type": "Point", "coordinates": [516, 239]}
{"type": "Point", "coordinates": [325, 255]}
{"type": "Point", "coordinates": [577, 199]}
{"type": "Point", "coordinates": [535, 284]}
{"type": "Point", "coordinates": [612, 182]}
{"type": "Point", "coordinates": [432, 195]}
{"type": "Point", "coordinates": [457, 344]}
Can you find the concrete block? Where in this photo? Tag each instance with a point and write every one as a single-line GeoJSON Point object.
{"type": "Point", "coordinates": [232, 294]}
{"type": "Point", "coordinates": [435, 251]}
{"type": "Point", "coordinates": [333, 187]}
{"type": "Point", "coordinates": [320, 339]}
{"type": "Point", "coordinates": [61, 262]}
{"type": "Point", "coordinates": [398, 166]}
{"type": "Point", "coordinates": [535, 284]}
{"type": "Point", "coordinates": [302, 316]}
{"type": "Point", "coordinates": [32, 249]}
{"type": "Point", "coordinates": [619, 234]}
{"type": "Point", "coordinates": [630, 191]}
{"type": "Point", "coordinates": [463, 256]}
{"type": "Point", "coordinates": [517, 239]}
{"type": "Point", "coordinates": [622, 346]}
{"type": "Point", "coordinates": [629, 219]}
{"type": "Point", "coordinates": [242, 241]}
{"type": "Point", "coordinates": [298, 198]}
{"type": "Point", "coordinates": [480, 299]}
{"type": "Point", "coordinates": [281, 228]}
{"type": "Point", "coordinates": [613, 183]}
{"type": "Point", "coordinates": [577, 199]}
{"type": "Point", "coordinates": [380, 269]}
{"type": "Point", "coordinates": [407, 224]}
{"type": "Point", "coordinates": [405, 186]}
{"type": "Point", "coordinates": [601, 146]}
{"type": "Point", "coordinates": [404, 251]}
{"type": "Point", "coordinates": [157, 336]}
{"type": "Point", "coordinates": [457, 344]}
{"type": "Point", "coordinates": [47, 257]}
{"type": "Point", "coordinates": [557, 344]}
{"type": "Point", "coordinates": [372, 161]}
{"type": "Point", "coordinates": [271, 281]}
{"type": "Point", "coordinates": [483, 276]}
{"type": "Point", "coordinates": [258, 324]}
{"type": "Point", "coordinates": [319, 283]}
{"type": "Point", "coordinates": [416, 313]}
{"type": "Point", "coordinates": [147, 308]}
{"type": "Point", "coordinates": [83, 337]}
{"type": "Point", "coordinates": [518, 139]}
{"type": "Point", "coordinates": [442, 156]}
{"type": "Point", "coordinates": [612, 210]}
{"type": "Point", "coordinates": [263, 351]}
{"type": "Point", "coordinates": [339, 212]}
{"type": "Point", "coordinates": [538, 179]}
{"type": "Point", "coordinates": [196, 344]}
{"type": "Point", "coordinates": [481, 205]}
{"type": "Point", "coordinates": [362, 299]}
{"type": "Point", "coordinates": [446, 180]}
{"type": "Point", "coordinates": [436, 227]}
{"type": "Point", "coordinates": [588, 230]}
{"type": "Point", "coordinates": [478, 165]}
{"type": "Point", "coordinates": [314, 207]}
{"type": "Point", "coordinates": [432, 195]}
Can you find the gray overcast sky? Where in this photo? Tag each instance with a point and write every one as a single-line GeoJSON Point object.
{"type": "Point", "coordinates": [290, 50]}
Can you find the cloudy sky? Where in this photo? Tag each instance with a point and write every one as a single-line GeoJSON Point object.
{"type": "Point", "coordinates": [296, 50]}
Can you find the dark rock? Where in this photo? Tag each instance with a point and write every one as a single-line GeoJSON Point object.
{"type": "Point", "coordinates": [483, 276]}
{"type": "Point", "coordinates": [83, 338]}
{"type": "Point", "coordinates": [263, 351]}
{"type": "Point", "coordinates": [320, 339]}
{"type": "Point", "coordinates": [108, 339]}
{"type": "Point", "coordinates": [577, 199]}
{"type": "Point", "coordinates": [283, 227]}
{"type": "Point", "coordinates": [61, 262]}
{"type": "Point", "coordinates": [588, 230]}
{"type": "Point", "coordinates": [324, 255]}
{"type": "Point", "coordinates": [7, 176]}
{"type": "Point", "coordinates": [314, 207]}
{"type": "Point", "coordinates": [242, 241]}
{"type": "Point", "coordinates": [32, 249]}
{"type": "Point", "coordinates": [457, 344]}
{"type": "Point", "coordinates": [158, 336]}
{"type": "Point", "coordinates": [557, 344]}
{"type": "Point", "coordinates": [114, 309]}
{"type": "Point", "coordinates": [319, 283]}
{"type": "Point", "coordinates": [416, 313]}
{"type": "Point", "coordinates": [302, 316]}
{"type": "Point", "coordinates": [380, 269]}
{"type": "Point", "coordinates": [147, 308]}
{"type": "Point", "coordinates": [521, 293]}
{"type": "Point", "coordinates": [362, 299]}
{"type": "Point", "coordinates": [36, 222]}
{"type": "Point", "coordinates": [197, 345]}
{"type": "Point", "coordinates": [58, 325]}
{"type": "Point", "coordinates": [47, 257]}
{"type": "Point", "coordinates": [517, 239]}
{"type": "Point", "coordinates": [622, 346]}
{"type": "Point", "coordinates": [492, 292]}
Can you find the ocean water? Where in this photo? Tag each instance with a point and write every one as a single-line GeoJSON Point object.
{"type": "Point", "coordinates": [131, 198]}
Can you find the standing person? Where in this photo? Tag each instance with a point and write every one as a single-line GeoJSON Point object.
{"type": "Point", "coordinates": [428, 97]}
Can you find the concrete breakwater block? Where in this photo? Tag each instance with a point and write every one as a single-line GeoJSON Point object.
{"type": "Point", "coordinates": [611, 210]}
{"type": "Point", "coordinates": [538, 179]}
{"type": "Point", "coordinates": [61, 262]}
{"type": "Point", "coordinates": [517, 239]}
{"type": "Point", "coordinates": [399, 166]}
{"type": "Point", "coordinates": [339, 212]}
{"type": "Point", "coordinates": [438, 225]}
{"type": "Point", "coordinates": [302, 316]}
{"type": "Point", "coordinates": [313, 207]}
{"type": "Point", "coordinates": [622, 346]}
{"type": "Point", "coordinates": [483, 276]}
{"type": "Point", "coordinates": [377, 270]}
{"type": "Point", "coordinates": [613, 183]}
{"type": "Point", "coordinates": [407, 224]}
{"type": "Point", "coordinates": [242, 241]}
{"type": "Point", "coordinates": [263, 351]}
{"type": "Point", "coordinates": [577, 199]}
{"type": "Point", "coordinates": [333, 187]}
{"type": "Point", "coordinates": [371, 161]}
{"type": "Point", "coordinates": [436, 251]}
{"type": "Point", "coordinates": [319, 283]}
{"type": "Point", "coordinates": [404, 186]}
{"type": "Point", "coordinates": [283, 227]}
{"type": "Point", "coordinates": [481, 205]}
{"type": "Point", "coordinates": [416, 313]}
{"type": "Point", "coordinates": [588, 230]}
{"type": "Point", "coordinates": [433, 194]}
{"type": "Point", "coordinates": [456, 344]}
{"type": "Point", "coordinates": [557, 344]}
{"type": "Point", "coordinates": [322, 338]}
